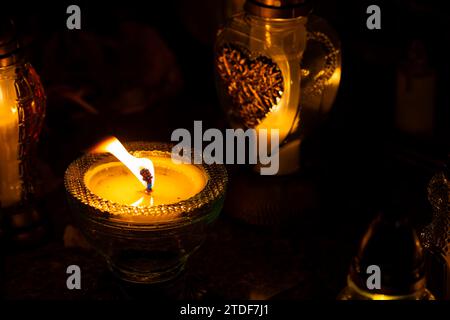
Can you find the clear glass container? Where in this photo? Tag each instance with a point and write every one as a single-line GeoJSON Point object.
{"type": "Point", "coordinates": [277, 72]}
{"type": "Point", "coordinates": [321, 73]}
{"type": "Point", "coordinates": [22, 112]}
{"type": "Point", "coordinates": [22, 109]}
{"type": "Point", "coordinates": [258, 71]}
{"type": "Point", "coordinates": [392, 246]}
{"type": "Point", "coordinates": [276, 67]}
{"type": "Point", "coordinates": [150, 250]}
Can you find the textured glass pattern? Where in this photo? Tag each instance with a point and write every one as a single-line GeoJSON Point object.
{"type": "Point", "coordinates": [436, 236]}
{"type": "Point", "coordinates": [321, 69]}
{"type": "Point", "coordinates": [439, 229]}
{"type": "Point", "coordinates": [22, 111]}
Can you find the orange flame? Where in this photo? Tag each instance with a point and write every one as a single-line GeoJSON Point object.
{"type": "Point", "coordinates": [135, 165]}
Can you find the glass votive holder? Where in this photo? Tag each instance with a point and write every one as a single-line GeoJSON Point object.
{"type": "Point", "coordinates": [144, 244]}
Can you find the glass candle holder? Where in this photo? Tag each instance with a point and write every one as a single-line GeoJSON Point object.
{"type": "Point", "coordinates": [147, 243]}
{"type": "Point", "coordinates": [22, 113]}
{"type": "Point", "coordinates": [278, 67]}
{"type": "Point", "coordinates": [392, 247]}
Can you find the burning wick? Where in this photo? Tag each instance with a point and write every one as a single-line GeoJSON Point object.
{"type": "Point", "coordinates": [141, 168]}
{"type": "Point", "coordinates": [147, 177]}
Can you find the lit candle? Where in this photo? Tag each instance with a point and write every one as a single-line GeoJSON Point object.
{"type": "Point", "coordinates": [145, 228]}
{"type": "Point", "coordinates": [10, 182]}
{"type": "Point", "coordinates": [285, 115]}
{"type": "Point", "coordinates": [284, 42]}
{"type": "Point", "coordinates": [124, 183]}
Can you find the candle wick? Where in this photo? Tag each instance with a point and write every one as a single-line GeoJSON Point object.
{"type": "Point", "coordinates": [147, 177]}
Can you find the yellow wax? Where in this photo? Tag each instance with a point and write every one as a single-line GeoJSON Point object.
{"type": "Point", "coordinates": [173, 183]}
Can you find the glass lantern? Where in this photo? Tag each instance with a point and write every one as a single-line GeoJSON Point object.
{"type": "Point", "coordinates": [22, 110]}
{"type": "Point", "coordinates": [392, 247]}
{"type": "Point", "coordinates": [277, 67]}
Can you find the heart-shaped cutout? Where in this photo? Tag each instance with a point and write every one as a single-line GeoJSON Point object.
{"type": "Point", "coordinates": [253, 85]}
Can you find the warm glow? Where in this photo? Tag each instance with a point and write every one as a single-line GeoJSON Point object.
{"type": "Point", "coordinates": [336, 77]}
{"type": "Point", "coordinates": [115, 182]}
{"type": "Point", "coordinates": [284, 116]}
{"type": "Point", "coordinates": [135, 165]}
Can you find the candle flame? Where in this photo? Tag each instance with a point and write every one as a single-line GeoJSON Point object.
{"type": "Point", "coordinates": [135, 165]}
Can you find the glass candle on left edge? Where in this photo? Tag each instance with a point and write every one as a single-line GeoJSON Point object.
{"type": "Point", "coordinates": [22, 112]}
{"type": "Point", "coordinates": [146, 237]}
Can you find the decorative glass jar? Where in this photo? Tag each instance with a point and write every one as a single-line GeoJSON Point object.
{"type": "Point", "coordinates": [277, 67]}
{"type": "Point", "coordinates": [22, 111]}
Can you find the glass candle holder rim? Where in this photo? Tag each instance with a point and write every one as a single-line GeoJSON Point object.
{"type": "Point", "coordinates": [116, 214]}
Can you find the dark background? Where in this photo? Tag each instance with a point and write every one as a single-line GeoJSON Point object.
{"type": "Point", "coordinates": [147, 68]}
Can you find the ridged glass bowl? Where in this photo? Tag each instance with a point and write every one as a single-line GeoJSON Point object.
{"type": "Point", "coordinates": [150, 250]}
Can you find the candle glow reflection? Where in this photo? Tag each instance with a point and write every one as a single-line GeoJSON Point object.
{"type": "Point", "coordinates": [135, 165]}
